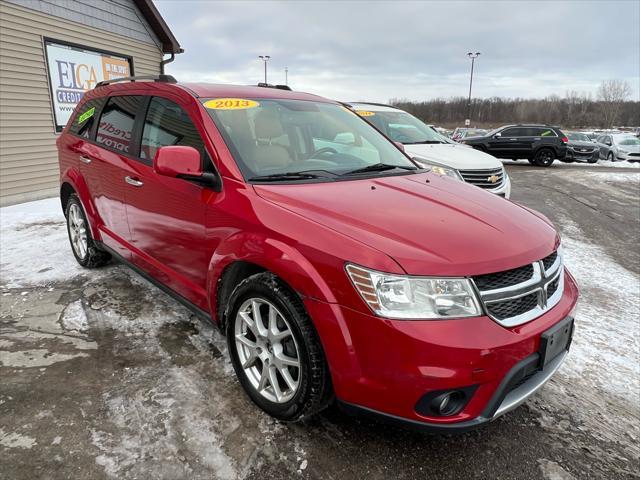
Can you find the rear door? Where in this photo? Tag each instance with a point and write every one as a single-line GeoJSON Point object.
{"type": "Point", "coordinates": [104, 164]}
{"type": "Point", "coordinates": [167, 215]}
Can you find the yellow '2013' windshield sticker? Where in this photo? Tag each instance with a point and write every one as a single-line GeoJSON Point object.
{"type": "Point", "coordinates": [86, 115]}
{"type": "Point", "coordinates": [365, 113]}
{"type": "Point", "coordinates": [230, 104]}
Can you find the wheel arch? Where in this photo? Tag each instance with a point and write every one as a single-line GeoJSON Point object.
{"type": "Point", "coordinates": [72, 182]}
{"type": "Point", "coordinates": [245, 254]}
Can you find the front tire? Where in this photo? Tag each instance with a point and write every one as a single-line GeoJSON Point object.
{"type": "Point", "coordinates": [82, 244]}
{"type": "Point", "coordinates": [544, 157]}
{"type": "Point", "coordinates": [275, 349]}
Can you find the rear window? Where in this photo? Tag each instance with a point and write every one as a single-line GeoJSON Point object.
{"type": "Point", "coordinates": [85, 117]}
{"type": "Point", "coordinates": [115, 129]}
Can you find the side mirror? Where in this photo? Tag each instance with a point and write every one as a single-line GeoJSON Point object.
{"type": "Point", "coordinates": [399, 145]}
{"type": "Point", "coordinates": [183, 162]}
{"type": "Point", "coordinates": [497, 135]}
{"type": "Point", "coordinates": [177, 161]}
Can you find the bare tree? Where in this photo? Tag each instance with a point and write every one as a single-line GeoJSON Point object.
{"type": "Point", "coordinates": [611, 94]}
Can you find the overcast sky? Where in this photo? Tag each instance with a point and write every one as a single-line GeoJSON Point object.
{"type": "Point", "coordinates": [413, 50]}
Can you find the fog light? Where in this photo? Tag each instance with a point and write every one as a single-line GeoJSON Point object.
{"type": "Point", "coordinates": [445, 403]}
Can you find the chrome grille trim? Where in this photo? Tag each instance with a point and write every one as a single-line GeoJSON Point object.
{"type": "Point", "coordinates": [480, 178]}
{"type": "Point", "coordinates": [538, 283]}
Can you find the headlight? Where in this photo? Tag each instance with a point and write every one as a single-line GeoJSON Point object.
{"type": "Point", "coordinates": [439, 169]}
{"type": "Point", "coordinates": [405, 297]}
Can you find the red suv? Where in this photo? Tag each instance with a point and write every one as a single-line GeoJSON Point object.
{"type": "Point", "coordinates": [336, 266]}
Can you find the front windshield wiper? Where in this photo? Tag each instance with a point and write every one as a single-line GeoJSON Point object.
{"type": "Point", "coordinates": [378, 167]}
{"type": "Point", "coordinates": [276, 177]}
{"type": "Point", "coordinates": [424, 142]}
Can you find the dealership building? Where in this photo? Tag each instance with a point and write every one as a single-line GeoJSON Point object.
{"type": "Point", "coordinates": [51, 52]}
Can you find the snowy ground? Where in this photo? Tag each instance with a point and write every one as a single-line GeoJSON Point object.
{"type": "Point", "coordinates": [104, 376]}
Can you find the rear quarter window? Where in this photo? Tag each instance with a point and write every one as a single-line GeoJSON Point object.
{"type": "Point", "coordinates": [85, 118]}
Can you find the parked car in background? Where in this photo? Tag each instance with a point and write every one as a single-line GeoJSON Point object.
{"type": "Point", "coordinates": [619, 146]}
{"type": "Point", "coordinates": [339, 269]}
{"type": "Point", "coordinates": [581, 149]}
{"type": "Point", "coordinates": [540, 144]}
{"type": "Point", "coordinates": [460, 133]}
{"type": "Point", "coordinates": [428, 147]}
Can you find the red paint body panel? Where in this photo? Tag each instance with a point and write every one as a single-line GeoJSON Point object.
{"type": "Point", "coordinates": [185, 235]}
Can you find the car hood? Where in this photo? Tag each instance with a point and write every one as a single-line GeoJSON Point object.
{"type": "Point", "coordinates": [581, 144]}
{"type": "Point", "coordinates": [430, 225]}
{"type": "Point", "coordinates": [460, 157]}
{"type": "Point", "coordinates": [629, 148]}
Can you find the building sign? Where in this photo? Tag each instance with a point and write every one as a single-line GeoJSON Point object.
{"type": "Point", "coordinates": [73, 70]}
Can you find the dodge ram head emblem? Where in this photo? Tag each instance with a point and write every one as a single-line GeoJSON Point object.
{"type": "Point", "coordinates": [493, 178]}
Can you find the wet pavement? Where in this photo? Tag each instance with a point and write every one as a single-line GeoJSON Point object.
{"type": "Point", "coordinates": [104, 376]}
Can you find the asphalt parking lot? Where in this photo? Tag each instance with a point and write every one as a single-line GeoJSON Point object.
{"type": "Point", "coordinates": [104, 376]}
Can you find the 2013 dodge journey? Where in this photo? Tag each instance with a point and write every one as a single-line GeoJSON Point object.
{"type": "Point", "coordinates": [338, 268]}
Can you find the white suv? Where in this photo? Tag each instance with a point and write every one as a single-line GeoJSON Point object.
{"type": "Point", "coordinates": [427, 146]}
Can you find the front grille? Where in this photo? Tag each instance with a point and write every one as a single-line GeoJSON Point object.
{"type": "Point", "coordinates": [504, 279]}
{"type": "Point", "coordinates": [583, 150]}
{"type": "Point", "coordinates": [524, 379]}
{"type": "Point", "coordinates": [634, 154]}
{"type": "Point", "coordinates": [513, 308]}
{"type": "Point", "coordinates": [516, 296]}
{"type": "Point", "coordinates": [488, 178]}
{"type": "Point", "coordinates": [548, 261]}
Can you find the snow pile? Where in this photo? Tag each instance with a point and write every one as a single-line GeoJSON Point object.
{"type": "Point", "coordinates": [615, 177]}
{"type": "Point", "coordinates": [606, 347]}
{"type": "Point", "coordinates": [34, 247]}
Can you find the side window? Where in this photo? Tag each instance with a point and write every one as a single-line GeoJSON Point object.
{"type": "Point", "coordinates": [116, 123]}
{"type": "Point", "coordinates": [82, 122]}
{"type": "Point", "coordinates": [168, 124]}
{"type": "Point", "coordinates": [514, 132]}
{"type": "Point", "coordinates": [545, 132]}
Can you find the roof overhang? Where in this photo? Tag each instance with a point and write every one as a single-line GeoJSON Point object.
{"type": "Point", "coordinates": [160, 28]}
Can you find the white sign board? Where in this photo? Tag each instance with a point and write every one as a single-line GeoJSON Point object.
{"type": "Point", "coordinates": [467, 122]}
{"type": "Point", "coordinates": [73, 70]}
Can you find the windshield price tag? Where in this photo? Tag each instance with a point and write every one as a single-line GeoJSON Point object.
{"type": "Point", "coordinates": [86, 115]}
{"type": "Point", "coordinates": [365, 113]}
{"type": "Point", "coordinates": [230, 104]}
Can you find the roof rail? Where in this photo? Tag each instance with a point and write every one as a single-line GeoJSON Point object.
{"type": "Point", "coordinates": [155, 78]}
{"type": "Point", "coordinates": [279, 87]}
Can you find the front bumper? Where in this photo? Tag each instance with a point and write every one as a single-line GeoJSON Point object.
{"type": "Point", "coordinates": [630, 157]}
{"type": "Point", "coordinates": [587, 157]}
{"type": "Point", "coordinates": [505, 189]}
{"type": "Point", "coordinates": [384, 367]}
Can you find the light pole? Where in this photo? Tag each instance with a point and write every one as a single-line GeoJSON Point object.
{"type": "Point", "coordinates": [265, 59]}
{"type": "Point", "coordinates": [473, 57]}
{"type": "Point", "coordinates": [286, 75]}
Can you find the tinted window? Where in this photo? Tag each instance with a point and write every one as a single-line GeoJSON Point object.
{"type": "Point", "coordinates": [514, 132]}
{"type": "Point", "coordinates": [168, 124]}
{"type": "Point", "coordinates": [116, 123]}
{"type": "Point", "coordinates": [85, 118]}
{"type": "Point", "coordinates": [543, 132]}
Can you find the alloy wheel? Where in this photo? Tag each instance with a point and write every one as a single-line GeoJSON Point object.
{"type": "Point", "coordinates": [267, 350]}
{"type": "Point", "coordinates": [78, 231]}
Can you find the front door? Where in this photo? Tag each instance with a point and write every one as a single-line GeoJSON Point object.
{"type": "Point", "coordinates": [167, 215]}
{"type": "Point", "coordinates": [508, 144]}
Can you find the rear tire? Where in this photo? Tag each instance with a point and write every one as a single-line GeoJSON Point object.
{"type": "Point", "coordinates": [82, 244]}
{"type": "Point", "coordinates": [544, 157]}
{"type": "Point", "coordinates": [258, 343]}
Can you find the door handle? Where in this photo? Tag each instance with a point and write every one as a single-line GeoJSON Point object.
{"type": "Point", "coordinates": [85, 159]}
{"type": "Point", "coordinates": [133, 181]}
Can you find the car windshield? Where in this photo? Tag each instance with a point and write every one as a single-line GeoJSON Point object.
{"type": "Point", "coordinates": [401, 127]}
{"type": "Point", "coordinates": [291, 140]}
{"type": "Point", "coordinates": [628, 141]}
{"type": "Point", "coordinates": [474, 132]}
{"type": "Point", "coordinates": [578, 137]}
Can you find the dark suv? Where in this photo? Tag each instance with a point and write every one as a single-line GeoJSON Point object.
{"type": "Point", "coordinates": [540, 144]}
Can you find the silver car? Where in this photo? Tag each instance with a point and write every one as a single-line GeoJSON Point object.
{"type": "Point", "coordinates": [619, 147]}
